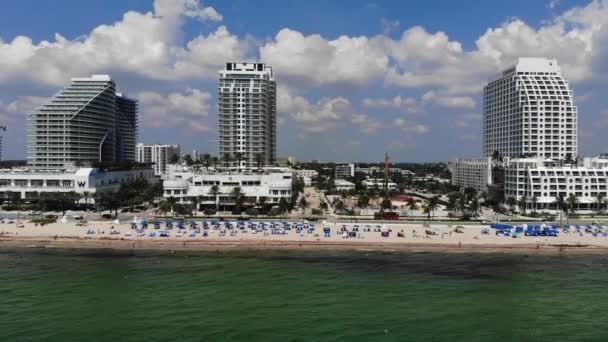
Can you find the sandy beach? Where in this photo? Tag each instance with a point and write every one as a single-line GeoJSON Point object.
{"type": "Point", "coordinates": [401, 237]}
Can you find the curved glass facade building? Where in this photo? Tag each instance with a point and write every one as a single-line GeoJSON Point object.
{"type": "Point", "coordinates": [85, 122]}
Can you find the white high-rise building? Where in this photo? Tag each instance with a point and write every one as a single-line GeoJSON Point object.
{"type": "Point", "coordinates": [529, 111]}
{"type": "Point", "coordinates": [85, 122]}
{"type": "Point", "coordinates": [247, 113]}
{"type": "Point", "coordinates": [159, 155]}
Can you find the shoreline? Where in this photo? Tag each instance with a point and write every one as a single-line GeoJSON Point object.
{"type": "Point", "coordinates": [215, 245]}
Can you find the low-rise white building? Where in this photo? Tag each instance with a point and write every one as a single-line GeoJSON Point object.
{"type": "Point", "coordinates": [472, 173]}
{"type": "Point", "coordinates": [343, 185]}
{"type": "Point", "coordinates": [368, 170]}
{"type": "Point", "coordinates": [542, 182]}
{"type": "Point", "coordinates": [186, 185]}
{"type": "Point", "coordinates": [306, 173]}
{"type": "Point", "coordinates": [379, 183]}
{"type": "Point", "coordinates": [28, 183]}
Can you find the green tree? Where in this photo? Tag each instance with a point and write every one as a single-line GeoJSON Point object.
{"type": "Point", "coordinates": [534, 203]}
{"type": "Point", "coordinates": [523, 203]}
{"type": "Point", "coordinates": [227, 158]}
{"type": "Point", "coordinates": [363, 201]}
{"type": "Point", "coordinates": [194, 201]}
{"type": "Point", "coordinates": [238, 156]}
{"type": "Point", "coordinates": [511, 202]}
{"type": "Point", "coordinates": [207, 160]}
{"type": "Point", "coordinates": [411, 205]}
{"type": "Point", "coordinates": [238, 196]}
{"type": "Point", "coordinates": [283, 205]}
{"type": "Point", "coordinates": [86, 195]}
{"type": "Point", "coordinates": [432, 204]}
{"type": "Point", "coordinates": [215, 160]}
{"type": "Point", "coordinates": [188, 159]}
{"type": "Point", "coordinates": [303, 204]}
{"type": "Point", "coordinates": [599, 200]}
{"type": "Point", "coordinates": [165, 207]}
{"type": "Point", "coordinates": [386, 203]}
{"type": "Point", "coordinates": [474, 206]}
{"type": "Point", "coordinates": [572, 202]}
{"type": "Point", "coordinates": [452, 205]}
{"type": "Point", "coordinates": [214, 191]}
{"type": "Point", "coordinates": [259, 159]}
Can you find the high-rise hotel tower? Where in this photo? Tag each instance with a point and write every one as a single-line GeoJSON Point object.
{"type": "Point", "coordinates": [85, 122]}
{"type": "Point", "coordinates": [529, 112]}
{"type": "Point", "coordinates": [247, 113]}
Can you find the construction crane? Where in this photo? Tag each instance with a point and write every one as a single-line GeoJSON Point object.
{"type": "Point", "coordinates": [1, 136]}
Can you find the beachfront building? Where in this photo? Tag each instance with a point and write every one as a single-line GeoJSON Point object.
{"type": "Point", "coordinates": [86, 122]}
{"type": "Point", "coordinates": [540, 182]}
{"type": "Point", "coordinates": [158, 155]}
{"type": "Point", "coordinates": [247, 114]}
{"type": "Point", "coordinates": [28, 183]}
{"type": "Point", "coordinates": [378, 183]}
{"type": "Point", "coordinates": [345, 171]}
{"type": "Point", "coordinates": [343, 185]}
{"type": "Point", "coordinates": [529, 111]}
{"type": "Point", "coordinates": [472, 173]}
{"type": "Point", "coordinates": [270, 184]}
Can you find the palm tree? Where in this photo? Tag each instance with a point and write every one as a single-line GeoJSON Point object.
{"type": "Point", "coordinates": [215, 160]}
{"type": "Point", "coordinates": [237, 195]}
{"type": "Point", "coordinates": [238, 156]}
{"type": "Point", "coordinates": [427, 211]}
{"type": "Point", "coordinates": [534, 202]}
{"type": "Point", "coordinates": [259, 159]}
{"type": "Point", "coordinates": [164, 207]}
{"type": "Point", "coordinates": [474, 206]}
{"type": "Point", "coordinates": [511, 202]}
{"type": "Point", "coordinates": [206, 160]}
{"type": "Point", "coordinates": [561, 205]}
{"type": "Point", "coordinates": [462, 202]}
{"type": "Point", "coordinates": [194, 201]}
{"type": "Point", "coordinates": [227, 158]}
{"type": "Point", "coordinates": [283, 205]}
{"type": "Point", "coordinates": [433, 203]}
{"type": "Point", "coordinates": [572, 202]}
{"type": "Point", "coordinates": [171, 200]}
{"type": "Point", "coordinates": [363, 201]}
{"type": "Point", "coordinates": [523, 203]}
{"type": "Point", "coordinates": [303, 204]}
{"type": "Point", "coordinates": [86, 195]}
{"type": "Point", "coordinates": [214, 191]}
{"type": "Point", "coordinates": [411, 204]}
{"type": "Point", "coordinates": [452, 202]}
{"type": "Point", "coordinates": [600, 201]}
{"type": "Point", "coordinates": [386, 204]}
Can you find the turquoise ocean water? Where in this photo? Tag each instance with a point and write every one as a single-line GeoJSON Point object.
{"type": "Point", "coordinates": [301, 296]}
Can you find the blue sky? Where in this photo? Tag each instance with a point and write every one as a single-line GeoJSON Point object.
{"type": "Point", "coordinates": [355, 78]}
